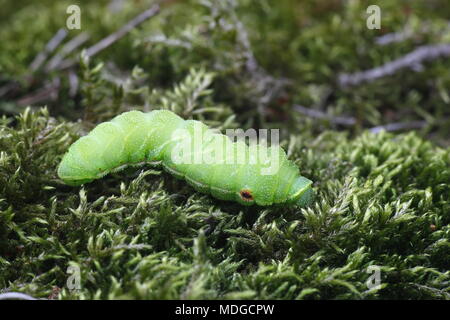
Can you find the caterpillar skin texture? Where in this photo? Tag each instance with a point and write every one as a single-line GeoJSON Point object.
{"type": "Point", "coordinates": [135, 137]}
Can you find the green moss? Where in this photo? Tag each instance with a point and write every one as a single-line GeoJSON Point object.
{"type": "Point", "coordinates": [383, 200]}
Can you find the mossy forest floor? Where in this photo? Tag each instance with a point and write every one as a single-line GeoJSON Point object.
{"type": "Point", "coordinates": [383, 203]}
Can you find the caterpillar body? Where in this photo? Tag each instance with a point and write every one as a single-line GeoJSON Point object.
{"type": "Point", "coordinates": [162, 137]}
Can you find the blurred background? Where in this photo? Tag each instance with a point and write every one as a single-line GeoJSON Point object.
{"type": "Point", "coordinates": [300, 65]}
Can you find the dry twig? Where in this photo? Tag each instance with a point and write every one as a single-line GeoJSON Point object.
{"type": "Point", "coordinates": [68, 48]}
{"type": "Point", "coordinates": [49, 90]}
{"type": "Point", "coordinates": [49, 48]}
{"type": "Point", "coordinates": [345, 121]}
{"type": "Point", "coordinates": [399, 126]}
{"type": "Point", "coordinates": [412, 60]}
{"type": "Point", "coordinates": [16, 296]}
{"type": "Point", "coordinates": [113, 37]}
{"type": "Point", "coordinates": [52, 44]}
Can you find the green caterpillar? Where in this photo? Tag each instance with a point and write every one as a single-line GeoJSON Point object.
{"type": "Point", "coordinates": [207, 163]}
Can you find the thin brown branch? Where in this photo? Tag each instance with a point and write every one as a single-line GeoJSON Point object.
{"type": "Point", "coordinates": [48, 92]}
{"type": "Point", "coordinates": [16, 296]}
{"type": "Point", "coordinates": [113, 37]}
{"type": "Point", "coordinates": [51, 45]}
{"type": "Point", "coordinates": [412, 60]}
{"type": "Point", "coordinates": [66, 49]}
{"type": "Point", "coordinates": [410, 32]}
{"type": "Point", "coordinates": [394, 37]}
{"type": "Point", "coordinates": [73, 82]}
{"type": "Point", "coordinates": [57, 61]}
{"type": "Point", "coordinates": [49, 48]}
{"type": "Point", "coordinates": [399, 126]}
{"type": "Point", "coordinates": [267, 87]}
{"type": "Point", "coordinates": [316, 114]}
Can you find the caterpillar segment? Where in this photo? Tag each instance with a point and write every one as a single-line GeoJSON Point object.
{"type": "Point", "coordinates": [210, 162]}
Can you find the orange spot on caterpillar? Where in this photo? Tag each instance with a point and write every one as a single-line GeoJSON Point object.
{"type": "Point", "coordinates": [246, 195]}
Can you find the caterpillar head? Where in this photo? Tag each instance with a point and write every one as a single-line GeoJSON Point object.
{"type": "Point", "coordinates": [301, 192]}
